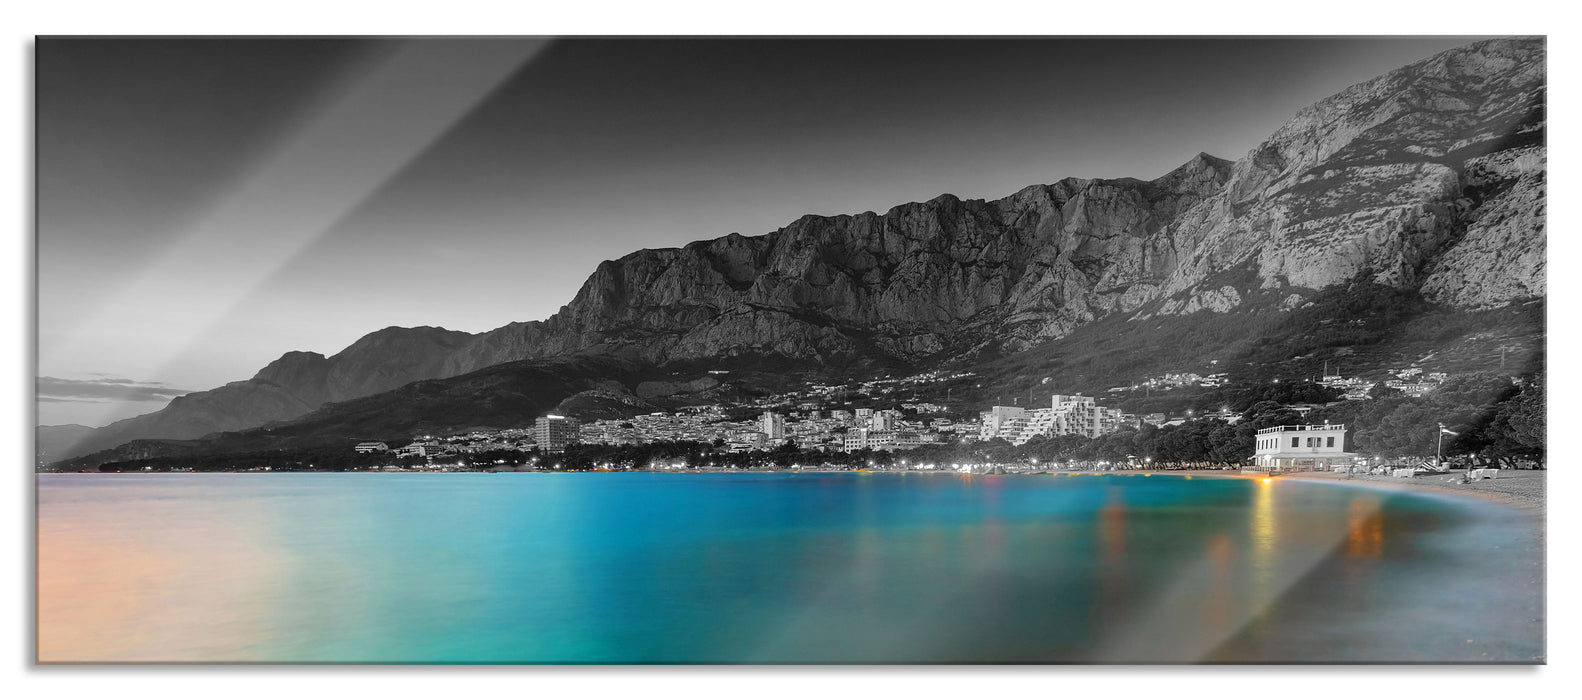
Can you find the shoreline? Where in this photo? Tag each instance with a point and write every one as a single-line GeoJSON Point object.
{"type": "Point", "coordinates": [1523, 490]}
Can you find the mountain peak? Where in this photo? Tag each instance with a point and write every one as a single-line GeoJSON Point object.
{"type": "Point", "coordinates": [1201, 174]}
{"type": "Point", "coordinates": [402, 335]}
{"type": "Point", "coordinates": [288, 362]}
{"type": "Point", "coordinates": [292, 367]}
{"type": "Point", "coordinates": [411, 330]}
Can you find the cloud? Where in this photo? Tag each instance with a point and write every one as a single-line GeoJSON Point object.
{"type": "Point", "coordinates": [55, 389]}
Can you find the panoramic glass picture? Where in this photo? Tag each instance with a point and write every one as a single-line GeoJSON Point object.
{"type": "Point", "coordinates": [790, 350]}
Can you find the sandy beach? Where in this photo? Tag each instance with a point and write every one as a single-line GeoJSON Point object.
{"type": "Point", "coordinates": [1523, 489]}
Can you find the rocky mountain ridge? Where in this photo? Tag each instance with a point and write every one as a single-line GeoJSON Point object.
{"type": "Point", "coordinates": [915, 283]}
{"type": "Point", "coordinates": [1431, 177]}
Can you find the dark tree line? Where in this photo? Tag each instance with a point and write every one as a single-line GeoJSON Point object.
{"type": "Point", "coordinates": [1495, 420]}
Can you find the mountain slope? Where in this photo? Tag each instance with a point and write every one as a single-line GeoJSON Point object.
{"type": "Point", "coordinates": [289, 387]}
{"type": "Point", "coordinates": [508, 395]}
{"type": "Point", "coordinates": [1430, 179]}
{"type": "Point", "coordinates": [51, 442]}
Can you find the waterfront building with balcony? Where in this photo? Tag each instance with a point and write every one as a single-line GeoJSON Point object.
{"type": "Point", "coordinates": [1285, 448]}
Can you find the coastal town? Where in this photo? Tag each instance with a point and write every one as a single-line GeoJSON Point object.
{"type": "Point", "coordinates": [878, 423]}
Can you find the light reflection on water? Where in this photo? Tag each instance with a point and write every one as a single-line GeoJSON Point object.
{"type": "Point", "coordinates": [1265, 537]}
{"type": "Point", "coordinates": [805, 568]}
{"type": "Point", "coordinates": [1365, 535]}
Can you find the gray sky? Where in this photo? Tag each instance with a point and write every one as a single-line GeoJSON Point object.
{"type": "Point", "coordinates": [207, 205]}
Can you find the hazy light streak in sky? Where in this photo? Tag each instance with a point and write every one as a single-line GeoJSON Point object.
{"type": "Point", "coordinates": [374, 127]}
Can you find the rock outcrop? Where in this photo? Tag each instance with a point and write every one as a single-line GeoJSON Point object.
{"type": "Point", "coordinates": [1500, 256]}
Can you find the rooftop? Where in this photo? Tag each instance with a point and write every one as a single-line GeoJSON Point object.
{"type": "Point", "coordinates": [1298, 428]}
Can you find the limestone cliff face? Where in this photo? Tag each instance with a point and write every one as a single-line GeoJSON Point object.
{"type": "Point", "coordinates": [1500, 255]}
{"type": "Point", "coordinates": [1428, 177]}
{"type": "Point", "coordinates": [1417, 177]}
{"type": "Point", "coordinates": [918, 280]}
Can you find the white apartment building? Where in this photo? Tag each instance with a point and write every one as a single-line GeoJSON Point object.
{"type": "Point", "coordinates": [420, 449]}
{"type": "Point", "coordinates": [996, 422]}
{"type": "Point", "coordinates": [1067, 415]}
{"type": "Point", "coordinates": [773, 425]}
{"type": "Point", "coordinates": [885, 420]}
{"type": "Point", "coordinates": [555, 433]}
{"type": "Point", "coordinates": [860, 438]}
{"type": "Point", "coordinates": [893, 440]}
{"type": "Point", "coordinates": [1078, 413]}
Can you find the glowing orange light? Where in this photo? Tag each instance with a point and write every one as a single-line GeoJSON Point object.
{"type": "Point", "coordinates": [1267, 480]}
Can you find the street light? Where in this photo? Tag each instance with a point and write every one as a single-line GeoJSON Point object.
{"type": "Point", "coordinates": [1439, 450]}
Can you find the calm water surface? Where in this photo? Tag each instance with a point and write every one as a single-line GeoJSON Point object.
{"type": "Point", "coordinates": [775, 568]}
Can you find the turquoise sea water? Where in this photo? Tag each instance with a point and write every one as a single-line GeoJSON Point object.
{"type": "Point", "coordinates": [775, 568]}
